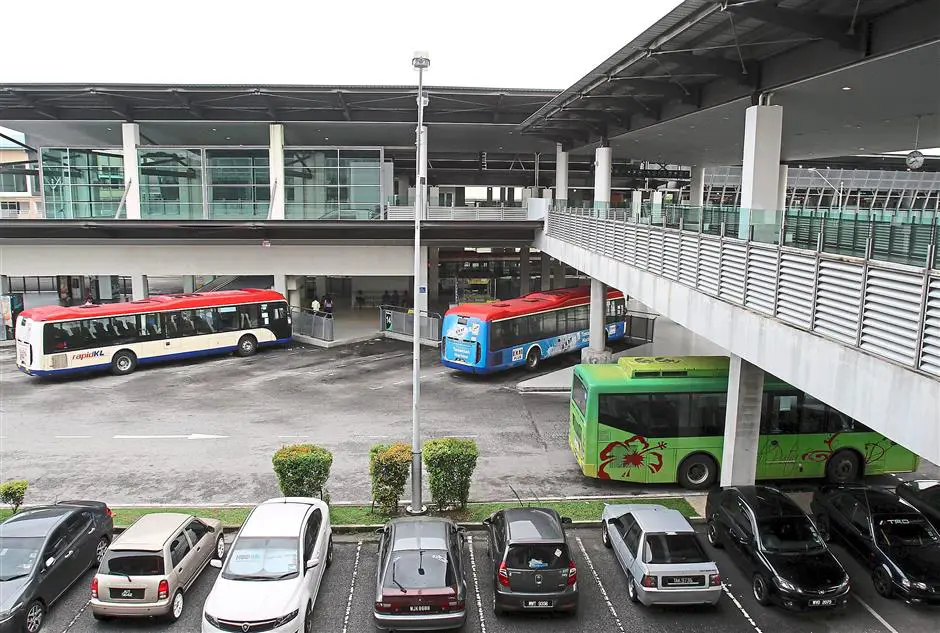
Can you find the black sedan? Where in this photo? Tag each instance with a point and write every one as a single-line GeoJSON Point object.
{"type": "Point", "coordinates": [886, 534]}
{"type": "Point", "coordinates": [925, 496]}
{"type": "Point", "coordinates": [43, 551]}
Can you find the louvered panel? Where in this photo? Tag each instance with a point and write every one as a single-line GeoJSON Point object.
{"type": "Point", "coordinates": [619, 241]}
{"type": "Point", "coordinates": [671, 242]}
{"type": "Point", "coordinates": [731, 275]}
{"type": "Point", "coordinates": [761, 278]}
{"type": "Point", "coordinates": [708, 266]}
{"type": "Point", "coordinates": [606, 230]}
{"type": "Point", "coordinates": [930, 353]}
{"type": "Point", "coordinates": [890, 317]}
{"type": "Point", "coordinates": [838, 295]}
{"type": "Point", "coordinates": [630, 243]}
{"type": "Point", "coordinates": [688, 258]}
{"type": "Point", "coordinates": [655, 264]}
{"type": "Point", "coordinates": [795, 294]}
{"type": "Point", "coordinates": [642, 246]}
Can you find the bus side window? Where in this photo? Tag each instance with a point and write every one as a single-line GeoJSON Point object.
{"type": "Point", "coordinates": [249, 316]}
{"type": "Point", "coordinates": [55, 339]}
{"type": "Point", "coordinates": [812, 415]}
{"type": "Point", "coordinates": [150, 327]}
{"type": "Point", "coordinates": [707, 416]}
{"type": "Point", "coordinates": [228, 318]}
{"type": "Point", "coordinates": [781, 413]}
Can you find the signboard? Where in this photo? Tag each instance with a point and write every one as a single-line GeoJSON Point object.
{"type": "Point", "coordinates": [388, 319]}
{"type": "Point", "coordinates": [629, 171]}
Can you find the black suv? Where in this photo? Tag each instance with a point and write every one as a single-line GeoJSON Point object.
{"type": "Point", "coordinates": [532, 567]}
{"type": "Point", "coordinates": [777, 546]}
{"type": "Point", "coordinates": [887, 535]}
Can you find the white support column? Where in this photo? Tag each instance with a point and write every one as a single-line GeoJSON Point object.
{"type": "Point", "coordinates": [189, 283]}
{"type": "Point", "coordinates": [4, 290]}
{"type": "Point", "coordinates": [561, 177]}
{"type": "Point", "coordinates": [560, 280]}
{"type": "Point", "coordinates": [280, 285]}
{"type": "Point", "coordinates": [140, 287]}
{"type": "Point", "coordinates": [421, 299]}
{"type": "Point", "coordinates": [546, 282]}
{"type": "Point", "coordinates": [294, 285]}
{"type": "Point", "coordinates": [276, 167]}
{"type": "Point", "coordinates": [656, 202]}
{"type": "Point", "coordinates": [130, 134]}
{"type": "Point", "coordinates": [742, 423]}
{"type": "Point", "coordinates": [782, 188]}
{"type": "Point", "coordinates": [636, 202]}
{"type": "Point", "coordinates": [434, 276]}
{"type": "Point", "coordinates": [602, 160]}
{"type": "Point", "coordinates": [403, 189]}
{"type": "Point", "coordinates": [697, 186]}
{"type": "Point", "coordinates": [596, 352]}
{"type": "Point", "coordinates": [760, 172]}
{"type": "Point", "coordinates": [525, 275]}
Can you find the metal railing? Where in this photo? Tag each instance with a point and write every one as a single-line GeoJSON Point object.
{"type": "Point", "coordinates": [887, 309]}
{"type": "Point", "coordinates": [318, 325]}
{"type": "Point", "coordinates": [489, 214]}
{"type": "Point", "coordinates": [398, 320]}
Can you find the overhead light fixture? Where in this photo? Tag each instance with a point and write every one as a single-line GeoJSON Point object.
{"type": "Point", "coordinates": [214, 130]}
{"type": "Point", "coordinates": [109, 129]}
{"type": "Point", "coordinates": [326, 138]}
{"type": "Point", "coordinates": [846, 88]}
{"type": "Point", "coordinates": [228, 138]}
{"type": "Point", "coordinates": [861, 148]}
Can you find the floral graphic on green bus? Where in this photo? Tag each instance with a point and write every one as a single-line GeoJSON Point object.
{"type": "Point", "coordinates": [874, 451]}
{"type": "Point", "coordinates": [635, 452]}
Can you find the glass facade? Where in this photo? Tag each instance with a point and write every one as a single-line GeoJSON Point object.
{"type": "Point", "coordinates": [81, 183]}
{"type": "Point", "coordinates": [12, 183]}
{"type": "Point", "coordinates": [170, 183]}
{"type": "Point", "coordinates": [333, 183]}
{"type": "Point", "coordinates": [238, 183]}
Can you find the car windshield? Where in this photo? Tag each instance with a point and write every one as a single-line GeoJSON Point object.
{"type": "Point", "coordinates": [538, 556]}
{"type": "Point", "coordinates": [789, 534]}
{"type": "Point", "coordinates": [419, 569]}
{"type": "Point", "coordinates": [132, 563]}
{"type": "Point", "coordinates": [18, 556]}
{"type": "Point", "coordinates": [910, 531]}
{"type": "Point", "coordinates": [254, 558]}
{"type": "Point", "coordinates": [670, 549]}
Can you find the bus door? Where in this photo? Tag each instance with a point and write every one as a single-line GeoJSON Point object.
{"type": "Point", "coordinates": [779, 453]}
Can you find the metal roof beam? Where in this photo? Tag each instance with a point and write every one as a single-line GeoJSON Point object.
{"type": "Point", "coordinates": [842, 32]}
{"type": "Point", "coordinates": [187, 103]}
{"type": "Point", "coordinates": [47, 111]}
{"type": "Point", "coordinates": [598, 115]}
{"type": "Point", "coordinates": [343, 105]}
{"type": "Point", "coordinates": [641, 85]}
{"type": "Point", "coordinates": [743, 73]}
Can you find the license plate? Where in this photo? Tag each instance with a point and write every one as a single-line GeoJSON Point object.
{"type": "Point", "coordinates": [127, 594]}
{"type": "Point", "coordinates": [683, 581]}
{"type": "Point", "coordinates": [821, 603]}
{"type": "Point", "coordinates": [538, 604]}
{"type": "Point", "coordinates": [424, 608]}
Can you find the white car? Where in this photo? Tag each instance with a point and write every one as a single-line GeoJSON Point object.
{"type": "Point", "coordinates": [271, 577]}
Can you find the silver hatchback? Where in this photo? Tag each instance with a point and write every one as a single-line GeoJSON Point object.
{"type": "Point", "coordinates": [661, 555]}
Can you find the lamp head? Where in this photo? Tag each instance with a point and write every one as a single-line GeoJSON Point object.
{"type": "Point", "coordinates": [421, 60]}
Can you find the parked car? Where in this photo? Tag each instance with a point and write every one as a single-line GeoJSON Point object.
{"type": "Point", "coordinates": [923, 495]}
{"type": "Point", "coordinates": [273, 570]}
{"type": "Point", "coordinates": [421, 579]}
{"type": "Point", "coordinates": [152, 564]}
{"type": "Point", "coordinates": [661, 555]}
{"type": "Point", "coordinates": [532, 566]}
{"type": "Point", "coordinates": [777, 546]}
{"type": "Point", "coordinates": [894, 540]}
{"type": "Point", "coordinates": [44, 551]}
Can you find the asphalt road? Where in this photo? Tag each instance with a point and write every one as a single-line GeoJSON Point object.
{"type": "Point", "coordinates": [204, 431]}
{"type": "Point", "coordinates": [604, 604]}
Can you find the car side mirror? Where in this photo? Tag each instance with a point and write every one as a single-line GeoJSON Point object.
{"type": "Point", "coordinates": [487, 521]}
{"type": "Point", "coordinates": [211, 529]}
{"type": "Point", "coordinates": [566, 520]}
{"type": "Point", "coordinates": [50, 562]}
{"type": "Point", "coordinates": [215, 562]}
{"type": "Point", "coordinates": [313, 562]}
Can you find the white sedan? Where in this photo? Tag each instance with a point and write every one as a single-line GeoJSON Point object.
{"type": "Point", "coordinates": [273, 571]}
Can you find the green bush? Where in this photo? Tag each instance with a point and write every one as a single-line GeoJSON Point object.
{"type": "Point", "coordinates": [450, 462]}
{"type": "Point", "coordinates": [302, 470]}
{"type": "Point", "coordinates": [12, 492]}
{"type": "Point", "coordinates": [389, 465]}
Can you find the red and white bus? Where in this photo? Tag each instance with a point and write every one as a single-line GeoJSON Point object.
{"type": "Point", "coordinates": [55, 340]}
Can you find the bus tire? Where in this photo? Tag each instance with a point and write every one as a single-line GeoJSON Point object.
{"type": "Point", "coordinates": [533, 358]}
{"type": "Point", "coordinates": [247, 345]}
{"type": "Point", "coordinates": [844, 467]}
{"type": "Point", "coordinates": [123, 363]}
{"type": "Point", "coordinates": [697, 472]}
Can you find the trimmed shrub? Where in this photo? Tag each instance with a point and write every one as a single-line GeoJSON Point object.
{"type": "Point", "coordinates": [450, 462]}
{"type": "Point", "coordinates": [302, 470]}
{"type": "Point", "coordinates": [389, 465]}
{"type": "Point", "coordinates": [12, 492]}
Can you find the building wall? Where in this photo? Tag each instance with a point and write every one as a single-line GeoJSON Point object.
{"type": "Point", "coordinates": [28, 200]}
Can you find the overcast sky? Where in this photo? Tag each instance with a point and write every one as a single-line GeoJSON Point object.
{"type": "Point", "coordinates": [494, 43]}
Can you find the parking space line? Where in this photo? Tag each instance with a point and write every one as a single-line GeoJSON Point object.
{"type": "Point", "coordinates": [597, 579]}
{"type": "Point", "coordinates": [352, 588]}
{"type": "Point", "coordinates": [476, 584]}
{"type": "Point", "coordinates": [741, 608]}
{"type": "Point", "coordinates": [874, 614]}
{"type": "Point", "coordinates": [77, 616]}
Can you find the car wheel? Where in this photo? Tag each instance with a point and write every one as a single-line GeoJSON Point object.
{"type": "Point", "coordinates": [843, 468]}
{"type": "Point", "coordinates": [605, 535]}
{"type": "Point", "coordinates": [35, 614]}
{"type": "Point", "coordinates": [123, 363]}
{"type": "Point", "coordinates": [329, 553]}
{"type": "Point", "coordinates": [101, 549]}
{"type": "Point", "coordinates": [220, 548]}
{"type": "Point", "coordinates": [882, 581]}
{"type": "Point", "coordinates": [176, 607]}
{"type": "Point", "coordinates": [759, 587]}
{"type": "Point", "coordinates": [308, 618]}
{"type": "Point", "coordinates": [631, 589]}
{"type": "Point", "coordinates": [533, 358]}
{"type": "Point", "coordinates": [822, 524]}
{"type": "Point", "coordinates": [697, 472]}
{"type": "Point", "coordinates": [711, 531]}
{"type": "Point", "coordinates": [247, 345]}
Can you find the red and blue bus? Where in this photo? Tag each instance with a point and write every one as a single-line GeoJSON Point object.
{"type": "Point", "coordinates": [53, 340]}
{"type": "Point", "coordinates": [487, 337]}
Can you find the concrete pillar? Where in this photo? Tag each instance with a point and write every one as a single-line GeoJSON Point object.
{"type": "Point", "coordinates": [276, 168]}
{"type": "Point", "coordinates": [294, 286]}
{"type": "Point", "coordinates": [546, 271]}
{"type": "Point", "coordinates": [510, 194]}
{"type": "Point", "coordinates": [760, 172]}
{"type": "Point", "coordinates": [130, 135]}
{"type": "Point", "coordinates": [742, 423]}
{"type": "Point", "coordinates": [489, 195]}
{"type": "Point", "coordinates": [460, 196]}
{"type": "Point", "coordinates": [602, 159]}
{"type": "Point", "coordinates": [596, 351]}
{"type": "Point", "coordinates": [280, 285]}
{"type": "Point", "coordinates": [525, 275]}
{"type": "Point", "coordinates": [421, 301]}
{"type": "Point", "coordinates": [697, 186]}
{"type": "Point", "coordinates": [636, 202]}
{"type": "Point", "coordinates": [140, 287]}
{"type": "Point", "coordinates": [189, 283]}
{"type": "Point", "coordinates": [4, 290]}
{"type": "Point", "coordinates": [388, 183]}
{"type": "Point", "coordinates": [434, 276]}
{"type": "Point", "coordinates": [403, 185]}
{"type": "Point", "coordinates": [782, 188]}
{"type": "Point", "coordinates": [560, 281]}
{"type": "Point", "coordinates": [561, 177]}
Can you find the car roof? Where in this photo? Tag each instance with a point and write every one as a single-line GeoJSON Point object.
{"type": "Point", "coordinates": [769, 501]}
{"type": "Point", "coordinates": [881, 501]}
{"type": "Point", "coordinates": [35, 521]}
{"type": "Point", "coordinates": [533, 524]}
{"type": "Point", "coordinates": [416, 533]}
{"type": "Point", "coordinates": [277, 517]}
{"type": "Point", "coordinates": [151, 531]}
{"type": "Point", "coordinates": [652, 517]}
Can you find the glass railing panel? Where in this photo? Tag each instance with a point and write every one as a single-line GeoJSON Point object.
{"type": "Point", "coordinates": [238, 210]}
{"type": "Point", "coordinates": [153, 210]}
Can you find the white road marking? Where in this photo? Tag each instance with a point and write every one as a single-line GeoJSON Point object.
{"type": "Point", "coordinates": [292, 437]}
{"type": "Point", "coordinates": [874, 614]}
{"type": "Point", "coordinates": [352, 588]}
{"type": "Point", "coordinates": [476, 584]}
{"type": "Point", "coordinates": [374, 388]}
{"type": "Point", "coordinates": [597, 579]}
{"type": "Point", "coordinates": [191, 436]}
{"type": "Point", "coordinates": [740, 607]}
{"type": "Point", "coordinates": [77, 616]}
{"type": "Point", "coordinates": [72, 437]}
{"type": "Point", "coordinates": [400, 382]}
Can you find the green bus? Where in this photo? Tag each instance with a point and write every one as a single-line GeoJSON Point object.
{"type": "Point", "coordinates": [661, 420]}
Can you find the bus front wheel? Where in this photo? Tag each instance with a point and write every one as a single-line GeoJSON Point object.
{"type": "Point", "coordinates": [123, 363]}
{"type": "Point", "coordinates": [697, 472]}
{"type": "Point", "coordinates": [533, 358]}
{"type": "Point", "coordinates": [247, 345]}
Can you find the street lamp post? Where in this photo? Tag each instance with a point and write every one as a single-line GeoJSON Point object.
{"type": "Point", "coordinates": [420, 61]}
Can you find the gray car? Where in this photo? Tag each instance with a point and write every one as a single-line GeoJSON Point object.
{"type": "Point", "coordinates": [661, 555]}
